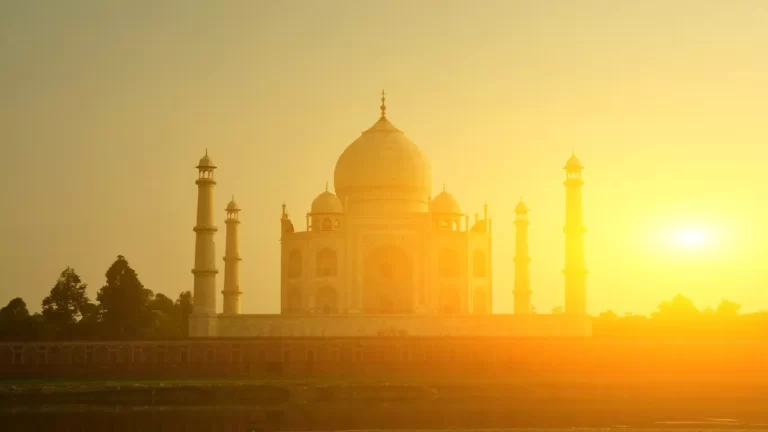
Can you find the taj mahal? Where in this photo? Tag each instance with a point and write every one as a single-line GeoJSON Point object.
{"type": "Point", "coordinates": [380, 256]}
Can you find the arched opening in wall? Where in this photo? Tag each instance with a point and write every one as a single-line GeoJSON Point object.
{"type": "Point", "coordinates": [478, 264]}
{"type": "Point", "coordinates": [450, 300]}
{"type": "Point", "coordinates": [449, 263]}
{"type": "Point", "coordinates": [336, 224]}
{"type": "Point", "coordinates": [387, 281]}
{"type": "Point", "coordinates": [293, 301]}
{"type": "Point", "coordinates": [480, 301]}
{"type": "Point", "coordinates": [326, 300]}
{"type": "Point", "coordinates": [443, 225]}
{"type": "Point", "coordinates": [294, 264]}
{"type": "Point", "coordinates": [326, 263]}
{"type": "Point", "coordinates": [326, 224]}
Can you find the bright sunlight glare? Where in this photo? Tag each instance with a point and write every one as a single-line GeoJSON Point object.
{"type": "Point", "coordinates": [691, 238]}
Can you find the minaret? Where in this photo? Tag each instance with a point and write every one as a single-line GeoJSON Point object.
{"type": "Point", "coordinates": [205, 249]}
{"type": "Point", "coordinates": [232, 260]}
{"type": "Point", "coordinates": [522, 276]}
{"type": "Point", "coordinates": [575, 268]}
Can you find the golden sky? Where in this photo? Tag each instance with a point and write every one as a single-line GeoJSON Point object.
{"type": "Point", "coordinates": [106, 107]}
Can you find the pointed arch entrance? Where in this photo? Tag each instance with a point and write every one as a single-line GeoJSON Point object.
{"type": "Point", "coordinates": [388, 281]}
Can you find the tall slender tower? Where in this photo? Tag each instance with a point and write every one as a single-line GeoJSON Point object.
{"type": "Point", "coordinates": [232, 260]}
{"type": "Point", "coordinates": [575, 268]}
{"type": "Point", "coordinates": [522, 277]}
{"type": "Point", "coordinates": [205, 247]}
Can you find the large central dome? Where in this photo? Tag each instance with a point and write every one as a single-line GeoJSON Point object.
{"type": "Point", "coordinates": [383, 171]}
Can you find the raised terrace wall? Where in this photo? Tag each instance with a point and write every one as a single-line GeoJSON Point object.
{"type": "Point", "coordinates": [542, 359]}
{"type": "Point", "coordinates": [392, 325]}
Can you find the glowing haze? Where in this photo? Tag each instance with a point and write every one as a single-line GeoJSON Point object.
{"type": "Point", "coordinates": [106, 109]}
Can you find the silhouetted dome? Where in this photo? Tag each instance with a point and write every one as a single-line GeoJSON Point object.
{"type": "Point", "coordinates": [232, 206]}
{"type": "Point", "coordinates": [573, 164]}
{"type": "Point", "coordinates": [327, 202]}
{"type": "Point", "coordinates": [521, 208]}
{"type": "Point", "coordinates": [445, 203]}
{"type": "Point", "coordinates": [206, 162]}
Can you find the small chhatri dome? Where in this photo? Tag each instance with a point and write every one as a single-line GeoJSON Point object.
{"type": "Point", "coordinates": [205, 161]}
{"type": "Point", "coordinates": [521, 208]}
{"type": "Point", "coordinates": [327, 202]}
{"type": "Point", "coordinates": [232, 206]}
{"type": "Point", "coordinates": [445, 203]}
{"type": "Point", "coordinates": [573, 164]}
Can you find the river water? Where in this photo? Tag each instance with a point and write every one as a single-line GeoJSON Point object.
{"type": "Point", "coordinates": [388, 417]}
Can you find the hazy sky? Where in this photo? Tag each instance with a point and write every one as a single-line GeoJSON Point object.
{"type": "Point", "coordinates": [106, 107]}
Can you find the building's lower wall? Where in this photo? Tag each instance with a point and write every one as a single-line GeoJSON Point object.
{"type": "Point", "coordinates": [523, 359]}
{"type": "Point", "coordinates": [203, 325]}
{"type": "Point", "coordinates": [401, 325]}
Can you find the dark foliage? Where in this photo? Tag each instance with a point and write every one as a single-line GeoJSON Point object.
{"type": "Point", "coordinates": [124, 303]}
{"type": "Point", "coordinates": [680, 318]}
{"type": "Point", "coordinates": [125, 309]}
{"type": "Point", "coordinates": [17, 324]}
{"type": "Point", "coordinates": [66, 304]}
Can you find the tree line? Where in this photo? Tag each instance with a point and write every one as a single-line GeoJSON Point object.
{"type": "Point", "coordinates": [124, 309]}
{"type": "Point", "coordinates": [680, 318]}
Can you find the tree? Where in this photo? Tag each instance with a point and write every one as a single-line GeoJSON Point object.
{"type": "Point", "coordinates": [160, 302]}
{"type": "Point", "coordinates": [124, 302]}
{"type": "Point", "coordinates": [164, 318]}
{"type": "Point", "coordinates": [67, 301]}
{"type": "Point", "coordinates": [171, 319]}
{"type": "Point", "coordinates": [17, 324]}
{"type": "Point", "coordinates": [16, 309]}
{"type": "Point", "coordinates": [679, 308]}
{"type": "Point", "coordinates": [728, 308]}
{"type": "Point", "coordinates": [609, 316]}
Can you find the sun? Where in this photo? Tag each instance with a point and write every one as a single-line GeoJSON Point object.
{"type": "Point", "coordinates": [691, 238]}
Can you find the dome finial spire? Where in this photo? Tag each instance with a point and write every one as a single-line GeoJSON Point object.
{"type": "Point", "coordinates": [443, 186]}
{"type": "Point", "coordinates": [383, 103]}
{"type": "Point", "coordinates": [326, 186]}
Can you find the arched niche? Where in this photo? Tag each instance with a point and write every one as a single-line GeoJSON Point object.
{"type": "Point", "coordinates": [293, 300]}
{"type": "Point", "coordinates": [294, 267]}
{"type": "Point", "coordinates": [326, 225]}
{"type": "Point", "coordinates": [326, 263]}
